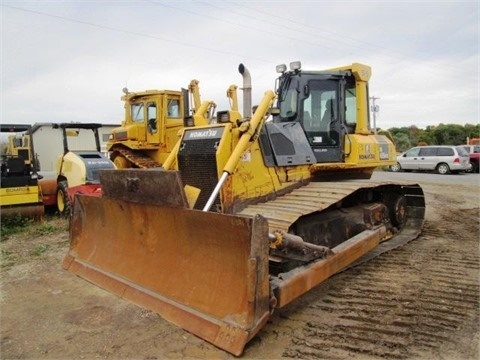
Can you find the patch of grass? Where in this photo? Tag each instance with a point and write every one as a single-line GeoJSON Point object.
{"type": "Point", "coordinates": [45, 229]}
{"type": "Point", "coordinates": [39, 249]}
{"type": "Point", "coordinates": [12, 225]}
{"type": "Point", "coordinates": [7, 258]}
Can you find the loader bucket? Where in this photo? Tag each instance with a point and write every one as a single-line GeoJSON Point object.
{"type": "Point", "coordinates": [205, 272]}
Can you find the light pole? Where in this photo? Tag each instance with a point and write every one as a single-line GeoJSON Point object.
{"type": "Point", "coordinates": [375, 109]}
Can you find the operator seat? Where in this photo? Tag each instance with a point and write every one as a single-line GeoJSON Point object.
{"type": "Point", "coordinates": [307, 121]}
{"type": "Point", "coordinates": [152, 126]}
{"type": "Point", "coordinates": [327, 123]}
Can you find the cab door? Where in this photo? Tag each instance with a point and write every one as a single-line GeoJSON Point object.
{"type": "Point", "coordinates": [322, 120]}
{"type": "Point", "coordinates": [137, 113]}
{"type": "Point", "coordinates": [173, 120]}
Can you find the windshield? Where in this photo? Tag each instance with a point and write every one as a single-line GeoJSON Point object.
{"type": "Point", "coordinates": [137, 112]}
{"type": "Point", "coordinates": [173, 108]}
{"type": "Point", "coordinates": [288, 106]}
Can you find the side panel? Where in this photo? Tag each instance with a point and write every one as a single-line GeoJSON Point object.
{"type": "Point", "coordinates": [205, 272]}
{"type": "Point", "coordinates": [19, 195]}
{"type": "Point", "coordinates": [288, 144]}
{"type": "Point", "coordinates": [369, 150]}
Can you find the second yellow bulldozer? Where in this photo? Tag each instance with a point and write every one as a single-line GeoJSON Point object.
{"type": "Point", "coordinates": [284, 202]}
{"type": "Point", "coordinates": [151, 124]}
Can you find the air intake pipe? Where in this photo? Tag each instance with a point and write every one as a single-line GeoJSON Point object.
{"type": "Point", "coordinates": [247, 91]}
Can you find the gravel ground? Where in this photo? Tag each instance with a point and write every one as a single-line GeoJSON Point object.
{"type": "Point", "coordinates": [420, 301]}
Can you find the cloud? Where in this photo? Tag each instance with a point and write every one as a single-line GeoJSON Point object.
{"type": "Point", "coordinates": [68, 61]}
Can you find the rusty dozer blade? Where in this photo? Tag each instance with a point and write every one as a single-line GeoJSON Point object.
{"type": "Point", "coordinates": [205, 272]}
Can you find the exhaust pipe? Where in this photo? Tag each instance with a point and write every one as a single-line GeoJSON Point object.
{"type": "Point", "coordinates": [247, 91]}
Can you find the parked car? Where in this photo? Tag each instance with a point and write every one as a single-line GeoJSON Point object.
{"type": "Point", "coordinates": [474, 154]}
{"type": "Point", "coordinates": [440, 158]}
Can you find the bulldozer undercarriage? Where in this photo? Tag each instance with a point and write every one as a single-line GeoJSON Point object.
{"type": "Point", "coordinates": [328, 213]}
{"type": "Point", "coordinates": [126, 158]}
{"type": "Point", "coordinates": [220, 276]}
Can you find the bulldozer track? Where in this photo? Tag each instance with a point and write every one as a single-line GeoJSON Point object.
{"type": "Point", "coordinates": [400, 305]}
{"type": "Point", "coordinates": [316, 196]}
{"type": "Point", "coordinates": [137, 158]}
{"type": "Point", "coordinates": [282, 212]}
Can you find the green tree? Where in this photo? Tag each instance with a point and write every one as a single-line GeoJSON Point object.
{"type": "Point", "coordinates": [450, 134]}
{"type": "Point", "coordinates": [413, 134]}
{"type": "Point", "coordinates": [442, 134]}
{"type": "Point", "coordinates": [402, 141]}
{"type": "Point", "coordinates": [472, 131]}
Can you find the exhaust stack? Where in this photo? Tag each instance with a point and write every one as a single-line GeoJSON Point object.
{"type": "Point", "coordinates": [247, 91]}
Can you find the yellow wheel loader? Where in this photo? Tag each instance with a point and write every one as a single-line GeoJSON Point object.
{"type": "Point", "coordinates": [152, 121]}
{"type": "Point", "coordinates": [283, 201]}
{"type": "Point", "coordinates": [19, 189]}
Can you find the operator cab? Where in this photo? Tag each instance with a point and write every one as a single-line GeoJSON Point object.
{"type": "Point", "coordinates": [323, 103]}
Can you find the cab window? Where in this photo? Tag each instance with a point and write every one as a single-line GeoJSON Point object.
{"type": "Point", "coordinates": [173, 108]}
{"type": "Point", "coordinates": [17, 142]}
{"type": "Point", "coordinates": [137, 112]}
{"type": "Point", "coordinates": [350, 104]}
{"type": "Point", "coordinates": [288, 107]}
{"type": "Point", "coordinates": [320, 107]}
{"type": "Point", "coordinates": [151, 111]}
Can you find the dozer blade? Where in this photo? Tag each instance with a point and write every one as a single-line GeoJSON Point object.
{"type": "Point", "coordinates": [205, 272]}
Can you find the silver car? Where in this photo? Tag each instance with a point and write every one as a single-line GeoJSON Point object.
{"type": "Point", "coordinates": [440, 158]}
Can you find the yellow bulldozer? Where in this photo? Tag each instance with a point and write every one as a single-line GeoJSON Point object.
{"type": "Point", "coordinates": [284, 201]}
{"type": "Point", "coordinates": [151, 124]}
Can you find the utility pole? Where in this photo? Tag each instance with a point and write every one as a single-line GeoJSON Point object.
{"type": "Point", "coordinates": [375, 109]}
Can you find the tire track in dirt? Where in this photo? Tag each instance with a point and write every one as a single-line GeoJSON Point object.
{"type": "Point", "coordinates": [405, 303]}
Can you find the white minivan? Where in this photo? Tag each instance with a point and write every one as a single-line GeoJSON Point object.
{"type": "Point", "coordinates": [440, 158]}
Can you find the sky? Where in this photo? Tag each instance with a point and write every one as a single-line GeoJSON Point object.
{"type": "Point", "coordinates": [67, 61]}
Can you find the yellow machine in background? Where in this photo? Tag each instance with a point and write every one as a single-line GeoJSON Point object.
{"type": "Point", "coordinates": [20, 145]}
{"type": "Point", "coordinates": [152, 121]}
{"type": "Point", "coordinates": [284, 202]}
{"type": "Point", "coordinates": [78, 168]}
{"type": "Point", "coordinates": [19, 189]}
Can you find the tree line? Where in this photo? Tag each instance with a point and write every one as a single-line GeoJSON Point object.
{"type": "Point", "coordinates": [443, 134]}
{"type": "Point", "coordinates": [406, 137]}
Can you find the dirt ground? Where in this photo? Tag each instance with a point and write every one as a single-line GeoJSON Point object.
{"type": "Point", "coordinates": [420, 301]}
